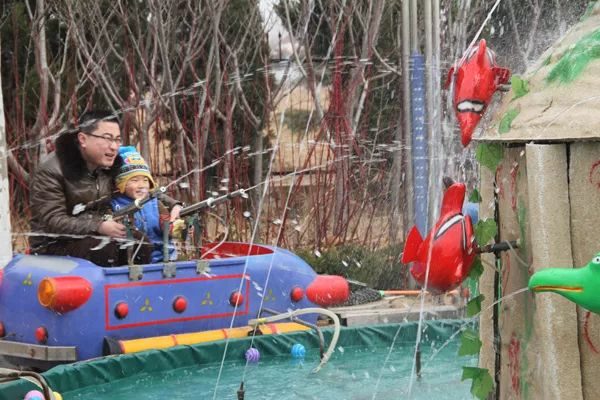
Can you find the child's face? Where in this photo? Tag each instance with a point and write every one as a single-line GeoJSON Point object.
{"type": "Point", "coordinates": [137, 187]}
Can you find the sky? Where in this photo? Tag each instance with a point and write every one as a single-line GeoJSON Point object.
{"type": "Point", "coordinates": [274, 26]}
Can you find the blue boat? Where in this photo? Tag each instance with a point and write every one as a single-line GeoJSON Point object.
{"type": "Point", "coordinates": [63, 309]}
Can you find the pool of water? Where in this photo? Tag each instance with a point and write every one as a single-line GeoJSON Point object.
{"type": "Point", "coordinates": [353, 373]}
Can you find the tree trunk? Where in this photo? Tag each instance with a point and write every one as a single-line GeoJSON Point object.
{"type": "Point", "coordinates": [41, 61]}
{"type": "Point", "coordinates": [5, 229]}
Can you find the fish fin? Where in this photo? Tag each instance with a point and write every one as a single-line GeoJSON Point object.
{"type": "Point", "coordinates": [449, 78]}
{"type": "Point", "coordinates": [411, 246]}
{"type": "Point", "coordinates": [469, 236]}
{"type": "Point", "coordinates": [481, 53]}
{"type": "Point", "coordinates": [453, 199]}
{"type": "Point", "coordinates": [463, 228]}
{"type": "Point", "coordinates": [502, 75]}
{"type": "Point", "coordinates": [458, 273]}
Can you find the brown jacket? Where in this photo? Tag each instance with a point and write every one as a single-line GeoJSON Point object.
{"type": "Point", "coordinates": [61, 184]}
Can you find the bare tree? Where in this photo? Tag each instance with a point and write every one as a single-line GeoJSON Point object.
{"type": "Point", "coordinates": [151, 59]}
{"type": "Point", "coordinates": [193, 83]}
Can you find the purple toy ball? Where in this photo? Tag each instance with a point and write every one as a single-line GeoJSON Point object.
{"type": "Point", "coordinates": [252, 355]}
{"type": "Point", "coordinates": [34, 395]}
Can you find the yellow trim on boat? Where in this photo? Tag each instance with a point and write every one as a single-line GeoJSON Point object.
{"type": "Point", "coordinates": [163, 342]}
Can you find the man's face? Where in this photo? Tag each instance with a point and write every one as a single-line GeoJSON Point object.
{"type": "Point", "coordinates": [100, 147]}
{"type": "Point", "coordinates": [137, 187]}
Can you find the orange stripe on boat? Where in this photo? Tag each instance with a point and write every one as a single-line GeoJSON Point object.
{"type": "Point", "coordinates": [163, 342]}
{"type": "Point", "coordinates": [273, 327]}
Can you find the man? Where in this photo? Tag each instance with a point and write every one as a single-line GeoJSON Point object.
{"type": "Point", "coordinates": [71, 191]}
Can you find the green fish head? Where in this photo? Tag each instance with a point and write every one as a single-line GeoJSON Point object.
{"type": "Point", "coordinates": [580, 285]}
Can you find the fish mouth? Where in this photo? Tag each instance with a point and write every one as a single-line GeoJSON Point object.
{"type": "Point", "coordinates": [475, 106]}
{"type": "Point", "coordinates": [546, 288]}
{"type": "Point", "coordinates": [468, 121]}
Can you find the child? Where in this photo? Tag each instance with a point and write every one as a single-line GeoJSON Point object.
{"type": "Point", "coordinates": [134, 181]}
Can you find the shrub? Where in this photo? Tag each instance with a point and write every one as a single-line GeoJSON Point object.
{"type": "Point", "coordinates": [379, 269]}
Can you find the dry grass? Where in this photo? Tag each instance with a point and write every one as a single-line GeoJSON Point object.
{"type": "Point", "coordinates": [20, 228]}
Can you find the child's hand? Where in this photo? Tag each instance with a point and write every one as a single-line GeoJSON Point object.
{"type": "Point", "coordinates": [177, 228]}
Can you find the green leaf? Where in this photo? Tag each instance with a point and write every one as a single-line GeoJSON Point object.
{"type": "Point", "coordinates": [482, 387]}
{"type": "Point", "coordinates": [489, 155]}
{"type": "Point", "coordinates": [471, 373]}
{"type": "Point", "coordinates": [507, 119]}
{"type": "Point", "coordinates": [474, 305]}
{"type": "Point", "coordinates": [475, 197]}
{"type": "Point", "coordinates": [482, 383]}
{"type": "Point", "coordinates": [485, 230]}
{"type": "Point", "coordinates": [476, 269]}
{"type": "Point", "coordinates": [520, 87]}
{"type": "Point", "coordinates": [469, 343]}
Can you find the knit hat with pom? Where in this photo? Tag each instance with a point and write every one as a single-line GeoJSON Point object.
{"type": "Point", "coordinates": [133, 165]}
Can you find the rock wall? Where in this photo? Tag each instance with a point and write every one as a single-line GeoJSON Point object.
{"type": "Point", "coordinates": [548, 199]}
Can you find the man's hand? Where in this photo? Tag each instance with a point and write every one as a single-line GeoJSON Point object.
{"type": "Point", "coordinates": [112, 228]}
{"type": "Point", "coordinates": [175, 212]}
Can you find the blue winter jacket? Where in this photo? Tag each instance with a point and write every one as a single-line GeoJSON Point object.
{"type": "Point", "coordinates": [147, 220]}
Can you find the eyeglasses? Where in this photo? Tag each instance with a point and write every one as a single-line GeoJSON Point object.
{"type": "Point", "coordinates": [107, 137]}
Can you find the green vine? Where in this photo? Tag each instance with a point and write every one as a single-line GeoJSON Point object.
{"type": "Point", "coordinates": [469, 343]}
{"type": "Point", "coordinates": [482, 381]}
{"type": "Point", "coordinates": [474, 305]}
{"type": "Point", "coordinates": [485, 230]}
{"type": "Point", "coordinates": [507, 120]}
{"type": "Point", "coordinates": [519, 86]}
{"type": "Point", "coordinates": [575, 60]}
{"type": "Point", "coordinates": [476, 269]}
{"type": "Point", "coordinates": [489, 155]}
{"type": "Point", "coordinates": [475, 197]}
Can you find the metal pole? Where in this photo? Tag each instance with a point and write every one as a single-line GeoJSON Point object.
{"type": "Point", "coordinates": [496, 309]}
{"type": "Point", "coordinates": [414, 26]}
{"type": "Point", "coordinates": [418, 362]}
{"type": "Point", "coordinates": [429, 104]}
{"type": "Point", "coordinates": [420, 153]}
{"type": "Point", "coordinates": [408, 179]}
{"type": "Point", "coordinates": [436, 69]}
{"type": "Point", "coordinates": [5, 228]}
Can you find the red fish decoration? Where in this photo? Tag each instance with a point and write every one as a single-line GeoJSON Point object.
{"type": "Point", "coordinates": [452, 245]}
{"type": "Point", "coordinates": [477, 78]}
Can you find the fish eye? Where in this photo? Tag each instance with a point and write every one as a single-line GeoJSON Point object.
{"type": "Point", "coordinates": [464, 106]}
{"type": "Point", "coordinates": [596, 260]}
{"type": "Point", "coordinates": [470, 106]}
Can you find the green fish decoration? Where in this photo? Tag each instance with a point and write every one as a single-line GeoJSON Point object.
{"type": "Point", "coordinates": [580, 285]}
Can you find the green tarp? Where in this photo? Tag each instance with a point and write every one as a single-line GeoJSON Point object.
{"type": "Point", "coordinates": [66, 378]}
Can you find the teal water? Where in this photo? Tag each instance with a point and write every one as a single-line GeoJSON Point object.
{"type": "Point", "coordinates": [351, 374]}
